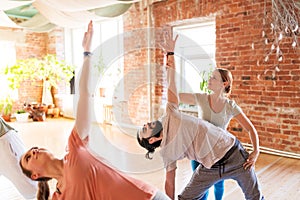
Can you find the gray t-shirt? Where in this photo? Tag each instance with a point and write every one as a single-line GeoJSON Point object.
{"type": "Point", "coordinates": [220, 119]}
{"type": "Point", "coordinates": [193, 138]}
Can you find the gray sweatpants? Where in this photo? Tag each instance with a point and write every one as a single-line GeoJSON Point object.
{"type": "Point", "coordinates": [229, 167]}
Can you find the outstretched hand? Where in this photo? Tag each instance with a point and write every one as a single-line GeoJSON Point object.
{"type": "Point", "coordinates": [87, 39]}
{"type": "Point", "coordinates": [169, 44]}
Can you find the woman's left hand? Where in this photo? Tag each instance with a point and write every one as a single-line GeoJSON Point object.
{"type": "Point", "coordinates": [250, 162]}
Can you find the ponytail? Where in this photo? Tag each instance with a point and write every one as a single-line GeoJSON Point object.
{"type": "Point", "coordinates": [226, 77]}
{"type": "Point", "coordinates": [44, 191]}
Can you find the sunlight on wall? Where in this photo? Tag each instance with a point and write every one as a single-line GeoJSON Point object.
{"type": "Point", "coordinates": [7, 57]}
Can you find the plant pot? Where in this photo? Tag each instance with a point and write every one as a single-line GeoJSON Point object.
{"type": "Point", "coordinates": [22, 117]}
{"type": "Point", "coordinates": [6, 117]}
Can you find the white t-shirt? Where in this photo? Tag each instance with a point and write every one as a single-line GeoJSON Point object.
{"type": "Point", "coordinates": [193, 138]}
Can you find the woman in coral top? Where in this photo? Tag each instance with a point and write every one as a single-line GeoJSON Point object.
{"type": "Point", "coordinates": [80, 175]}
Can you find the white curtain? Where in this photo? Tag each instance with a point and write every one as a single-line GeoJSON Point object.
{"type": "Point", "coordinates": [64, 13]}
{"type": "Point", "coordinates": [8, 4]}
{"type": "Point", "coordinates": [5, 21]}
{"type": "Point", "coordinates": [81, 5]}
{"type": "Point", "coordinates": [64, 19]}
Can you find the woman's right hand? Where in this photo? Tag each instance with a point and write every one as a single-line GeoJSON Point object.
{"type": "Point", "coordinates": [87, 39]}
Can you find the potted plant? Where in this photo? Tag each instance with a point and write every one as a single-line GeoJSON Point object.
{"type": "Point", "coordinates": [52, 71]}
{"type": "Point", "coordinates": [48, 69]}
{"type": "Point", "coordinates": [204, 83]}
{"type": "Point", "coordinates": [6, 108]}
{"type": "Point", "coordinates": [100, 69]}
{"type": "Point", "coordinates": [21, 116]}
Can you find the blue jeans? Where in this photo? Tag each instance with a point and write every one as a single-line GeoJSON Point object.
{"type": "Point", "coordinates": [219, 186]}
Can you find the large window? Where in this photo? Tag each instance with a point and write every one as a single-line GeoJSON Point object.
{"type": "Point", "coordinates": [7, 58]}
{"type": "Point", "coordinates": [196, 49]}
{"type": "Point", "coordinates": [106, 34]}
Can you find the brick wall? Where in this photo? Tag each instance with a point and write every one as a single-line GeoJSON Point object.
{"type": "Point", "coordinates": [271, 102]}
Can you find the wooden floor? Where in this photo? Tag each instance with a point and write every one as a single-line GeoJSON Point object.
{"type": "Point", "coordinates": [279, 176]}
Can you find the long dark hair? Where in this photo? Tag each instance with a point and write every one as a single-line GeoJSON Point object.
{"type": "Point", "coordinates": [44, 191]}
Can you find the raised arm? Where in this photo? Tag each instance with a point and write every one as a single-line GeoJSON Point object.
{"type": "Point", "coordinates": [172, 90]}
{"type": "Point", "coordinates": [85, 101]}
{"type": "Point", "coordinates": [169, 63]}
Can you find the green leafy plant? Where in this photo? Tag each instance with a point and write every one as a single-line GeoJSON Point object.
{"type": "Point", "coordinates": [100, 65]}
{"type": "Point", "coordinates": [6, 105]}
{"type": "Point", "coordinates": [21, 111]}
{"type": "Point", "coordinates": [17, 73]}
{"type": "Point", "coordinates": [204, 83]}
{"type": "Point", "coordinates": [101, 69]}
{"type": "Point", "coordinates": [54, 70]}
{"type": "Point", "coordinates": [49, 68]}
